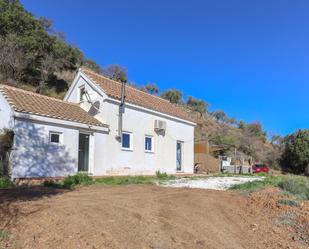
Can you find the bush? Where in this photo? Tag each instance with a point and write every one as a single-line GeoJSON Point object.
{"type": "Point", "coordinates": [295, 156]}
{"type": "Point", "coordinates": [78, 179]}
{"type": "Point", "coordinates": [292, 203]}
{"type": "Point", "coordinates": [5, 183]}
{"type": "Point", "coordinates": [161, 175]}
{"type": "Point", "coordinates": [296, 186]}
{"type": "Point", "coordinates": [51, 184]}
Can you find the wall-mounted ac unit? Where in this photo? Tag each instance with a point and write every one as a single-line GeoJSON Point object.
{"type": "Point", "coordinates": [160, 125]}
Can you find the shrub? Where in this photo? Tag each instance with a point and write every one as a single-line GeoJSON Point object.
{"type": "Point", "coordinates": [295, 186]}
{"type": "Point", "coordinates": [51, 184]}
{"type": "Point", "coordinates": [5, 183]}
{"type": "Point", "coordinates": [161, 175]}
{"type": "Point", "coordinates": [292, 203]}
{"type": "Point", "coordinates": [295, 156]}
{"type": "Point", "coordinates": [78, 179]}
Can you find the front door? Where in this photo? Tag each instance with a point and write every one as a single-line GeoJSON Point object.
{"type": "Point", "coordinates": [83, 152]}
{"type": "Point", "coordinates": [179, 156]}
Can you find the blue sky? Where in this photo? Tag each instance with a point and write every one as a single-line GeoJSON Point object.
{"type": "Point", "coordinates": [248, 58]}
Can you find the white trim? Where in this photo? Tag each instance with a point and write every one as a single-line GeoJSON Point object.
{"type": "Point", "coordinates": [60, 134]}
{"type": "Point", "coordinates": [130, 140]}
{"type": "Point", "coordinates": [152, 144]}
{"type": "Point", "coordinates": [94, 86]}
{"type": "Point", "coordinates": [58, 122]}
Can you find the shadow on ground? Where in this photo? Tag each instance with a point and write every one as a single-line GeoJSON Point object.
{"type": "Point", "coordinates": [9, 198]}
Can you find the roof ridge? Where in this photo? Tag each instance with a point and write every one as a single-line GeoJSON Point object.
{"type": "Point", "coordinates": [36, 94]}
{"type": "Point", "coordinates": [102, 76]}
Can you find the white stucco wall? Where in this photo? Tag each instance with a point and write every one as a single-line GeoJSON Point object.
{"type": "Point", "coordinates": [6, 119]}
{"type": "Point", "coordinates": [34, 156]}
{"type": "Point", "coordinates": [110, 159]}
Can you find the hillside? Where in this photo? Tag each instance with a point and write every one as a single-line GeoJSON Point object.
{"type": "Point", "coordinates": [35, 57]}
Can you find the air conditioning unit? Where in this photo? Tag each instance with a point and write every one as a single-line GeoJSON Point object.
{"type": "Point", "coordinates": [160, 125]}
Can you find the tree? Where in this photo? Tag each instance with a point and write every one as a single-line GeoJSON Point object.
{"type": "Point", "coordinates": [255, 129]}
{"type": "Point", "coordinates": [197, 105]}
{"type": "Point", "coordinates": [12, 60]}
{"type": "Point", "coordinates": [295, 156]}
{"type": "Point", "coordinates": [116, 72]}
{"type": "Point", "coordinates": [27, 43]}
{"type": "Point", "coordinates": [152, 88]}
{"type": "Point", "coordinates": [241, 125]}
{"type": "Point", "coordinates": [91, 64]}
{"type": "Point", "coordinates": [220, 116]}
{"type": "Point", "coordinates": [174, 96]}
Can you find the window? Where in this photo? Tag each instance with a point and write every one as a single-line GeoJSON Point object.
{"type": "Point", "coordinates": [127, 143]}
{"type": "Point", "coordinates": [81, 93]}
{"type": "Point", "coordinates": [55, 137]}
{"type": "Point", "coordinates": [148, 143]}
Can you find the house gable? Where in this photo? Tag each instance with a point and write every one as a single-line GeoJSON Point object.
{"type": "Point", "coordinates": [110, 90]}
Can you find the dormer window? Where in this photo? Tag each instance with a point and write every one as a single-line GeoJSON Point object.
{"type": "Point", "coordinates": [82, 92]}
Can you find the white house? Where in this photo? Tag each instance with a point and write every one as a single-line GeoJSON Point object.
{"type": "Point", "coordinates": [87, 131]}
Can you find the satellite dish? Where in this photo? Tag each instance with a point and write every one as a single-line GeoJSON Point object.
{"type": "Point", "coordinates": [91, 97]}
{"type": "Point", "coordinates": [95, 108]}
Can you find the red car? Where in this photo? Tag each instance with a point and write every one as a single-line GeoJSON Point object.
{"type": "Point", "coordinates": [260, 168]}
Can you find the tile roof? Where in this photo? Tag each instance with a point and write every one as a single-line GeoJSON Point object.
{"type": "Point", "coordinates": [135, 96]}
{"type": "Point", "coordinates": [33, 103]}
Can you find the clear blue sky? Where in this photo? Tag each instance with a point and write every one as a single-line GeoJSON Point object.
{"type": "Point", "coordinates": [248, 58]}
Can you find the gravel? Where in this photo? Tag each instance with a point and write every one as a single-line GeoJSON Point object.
{"type": "Point", "coordinates": [216, 183]}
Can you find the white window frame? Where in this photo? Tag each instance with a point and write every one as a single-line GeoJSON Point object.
{"type": "Point", "coordinates": [152, 144]}
{"type": "Point", "coordinates": [60, 134]}
{"type": "Point", "coordinates": [131, 141]}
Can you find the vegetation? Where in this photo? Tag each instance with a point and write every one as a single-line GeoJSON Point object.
{"type": "Point", "coordinates": [197, 105]}
{"type": "Point", "coordinates": [83, 179]}
{"type": "Point", "coordinates": [125, 180]}
{"type": "Point", "coordinates": [78, 179]}
{"type": "Point", "coordinates": [295, 156]}
{"type": "Point", "coordinates": [116, 72]}
{"type": "Point", "coordinates": [5, 183]}
{"type": "Point", "coordinates": [288, 202]}
{"type": "Point", "coordinates": [174, 96]}
{"type": "Point", "coordinates": [6, 144]}
{"type": "Point", "coordinates": [36, 57]}
{"type": "Point", "coordinates": [296, 186]}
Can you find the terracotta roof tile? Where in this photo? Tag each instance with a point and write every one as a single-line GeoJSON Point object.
{"type": "Point", "coordinates": [135, 96]}
{"type": "Point", "coordinates": [32, 103]}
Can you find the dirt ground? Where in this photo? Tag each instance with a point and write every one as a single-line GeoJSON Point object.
{"type": "Point", "coordinates": [140, 216]}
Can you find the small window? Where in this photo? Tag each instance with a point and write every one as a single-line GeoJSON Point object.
{"type": "Point", "coordinates": [148, 143]}
{"type": "Point", "coordinates": [127, 141]}
{"type": "Point", "coordinates": [55, 138]}
{"type": "Point", "coordinates": [81, 93]}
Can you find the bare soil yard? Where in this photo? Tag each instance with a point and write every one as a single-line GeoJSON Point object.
{"type": "Point", "coordinates": [140, 216]}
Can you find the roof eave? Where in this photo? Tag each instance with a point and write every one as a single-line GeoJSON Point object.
{"type": "Point", "coordinates": [37, 118]}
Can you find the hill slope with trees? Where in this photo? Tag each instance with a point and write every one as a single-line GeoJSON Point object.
{"type": "Point", "coordinates": [36, 57]}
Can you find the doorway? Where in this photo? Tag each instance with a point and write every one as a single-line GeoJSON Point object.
{"type": "Point", "coordinates": [179, 152]}
{"type": "Point", "coordinates": [83, 152]}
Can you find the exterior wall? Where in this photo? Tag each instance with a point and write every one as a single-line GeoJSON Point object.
{"type": "Point", "coordinates": [6, 119]}
{"type": "Point", "coordinates": [34, 156]}
{"type": "Point", "coordinates": [137, 161]}
{"type": "Point", "coordinates": [110, 159]}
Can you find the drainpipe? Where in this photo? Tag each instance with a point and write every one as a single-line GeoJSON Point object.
{"type": "Point", "coordinates": [121, 110]}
